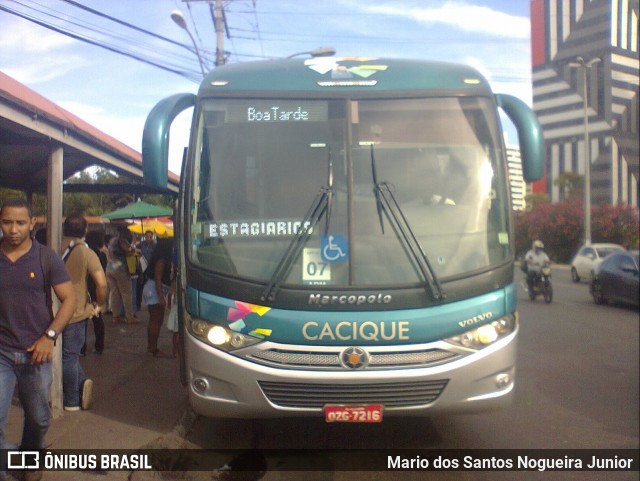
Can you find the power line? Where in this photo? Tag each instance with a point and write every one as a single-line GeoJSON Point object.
{"type": "Point", "coordinates": [85, 25]}
{"type": "Point", "coordinates": [39, 18]}
{"type": "Point", "coordinates": [169, 59]}
{"type": "Point", "coordinates": [126, 24]}
{"type": "Point", "coordinates": [92, 42]}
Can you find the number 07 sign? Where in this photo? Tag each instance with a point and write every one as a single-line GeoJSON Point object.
{"type": "Point", "coordinates": [314, 269]}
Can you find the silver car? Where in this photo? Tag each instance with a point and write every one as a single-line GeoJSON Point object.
{"type": "Point", "coordinates": [588, 257]}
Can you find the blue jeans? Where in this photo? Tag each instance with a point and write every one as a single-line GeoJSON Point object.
{"type": "Point", "coordinates": [34, 387]}
{"type": "Point", "coordinates": [73, 338]}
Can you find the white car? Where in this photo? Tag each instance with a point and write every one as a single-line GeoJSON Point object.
{"type": "Point", "coordinates": [588, 257]}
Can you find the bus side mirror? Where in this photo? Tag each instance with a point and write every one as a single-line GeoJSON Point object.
{"type": "Point", "coordinates": [529, 135]}
{"type": "Point", "coordinates": [155, 138]}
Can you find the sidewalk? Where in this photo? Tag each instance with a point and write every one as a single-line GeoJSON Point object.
{"type": "Point", "coordinates": [137, 400]}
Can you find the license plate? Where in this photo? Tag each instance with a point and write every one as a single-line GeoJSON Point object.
{"type": "Point", "coordinates": [371, 413]}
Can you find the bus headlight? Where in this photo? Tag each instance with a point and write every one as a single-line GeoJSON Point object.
{"type": "Point", "coordinates": [487, 334]}
{"type": "Point", "coordinates": [219, 336]}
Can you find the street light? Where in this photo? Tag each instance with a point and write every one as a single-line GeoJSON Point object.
{"type": "Point", "coordinates": [179, 20]}
{"type": "Point", "coordinates": [583, 66]}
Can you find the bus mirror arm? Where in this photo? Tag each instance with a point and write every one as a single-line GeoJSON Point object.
{"type": "Point", "coordinates": [529, 134]}
{"type": "Point", "coordinates": [155, 138]}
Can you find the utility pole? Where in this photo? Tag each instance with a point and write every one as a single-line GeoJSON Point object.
{"type": "Point", "coordinates": [219, 27]}
{"type": "Point", "coordinates": [582, 67]}
{"type": "Point", "coordinates": [219, 24]}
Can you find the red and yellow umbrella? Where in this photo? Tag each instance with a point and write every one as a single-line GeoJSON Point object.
{"type": "Point", "coordinates": [158, 227]}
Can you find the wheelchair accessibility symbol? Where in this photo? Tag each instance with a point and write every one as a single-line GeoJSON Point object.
{"type": "Point", "coordinates": [334, 248]}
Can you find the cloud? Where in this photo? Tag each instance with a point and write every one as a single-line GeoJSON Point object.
{"type": "Point", "coordinates": [463, 16]}
{"type": "Point", "coordinates": [21, 35]}
{"type": "Point", "coordinates": [21, 40]}
{"type": "Point", "coordinates": [47, 68]}
{"type": "Point", "coordinates": [127, 130]}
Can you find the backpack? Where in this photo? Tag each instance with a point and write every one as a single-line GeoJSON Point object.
{"type": "Point", "coordinates": [65, 257]}
{"type": "Point", "coordinates": [46, 265]}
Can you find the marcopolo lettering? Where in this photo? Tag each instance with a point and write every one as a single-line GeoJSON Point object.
{"type": "Point", "coordinates": [357, 331]}
{"type": "Point", "coordinates": [350, 299]}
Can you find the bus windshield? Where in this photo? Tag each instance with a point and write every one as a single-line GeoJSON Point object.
{"type": "Point", "coordinates": [260, 165]}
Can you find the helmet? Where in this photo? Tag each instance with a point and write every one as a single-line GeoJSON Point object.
{"type": "Point", "coordinates": [538, 244]}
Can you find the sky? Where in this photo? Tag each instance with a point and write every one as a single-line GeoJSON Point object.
{"type": "Point", "coordinates": [115, 91]}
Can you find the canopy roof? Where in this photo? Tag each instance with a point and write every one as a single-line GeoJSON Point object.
{"type": "Point", "coordinates": [31, 126]}
{"type": "Point", "coordinates": [138, 210]}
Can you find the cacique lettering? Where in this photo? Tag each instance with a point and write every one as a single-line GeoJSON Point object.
{"type": "Point", "coordinates": [357, 331]}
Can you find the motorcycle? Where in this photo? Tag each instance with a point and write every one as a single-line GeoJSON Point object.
{"type": "Point", "coordinates": [541, 285]}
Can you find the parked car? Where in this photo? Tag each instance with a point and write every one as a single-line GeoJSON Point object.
{"type": "Point", "coordinates": [616, 279]}
{"type": "Point", "coordinates": [588, 257]}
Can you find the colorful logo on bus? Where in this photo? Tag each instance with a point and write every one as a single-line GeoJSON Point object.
{"type": "Point", "coordinates": [333, 65]}
{"type": "Point", "coordinates": [236, 317]}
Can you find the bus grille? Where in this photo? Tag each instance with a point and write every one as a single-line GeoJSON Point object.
{"type": "Point", "coordinates": [399, 394]}
{"type": "Point", "coordinates": [331, 360]}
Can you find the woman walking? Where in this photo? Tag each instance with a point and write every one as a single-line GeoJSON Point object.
{"type": "Point", "coordinates": [95, 241]}
{"type": "Point", "coordinates": [155, 291]}
{"type": "Point", "coordinates": [119, 278]}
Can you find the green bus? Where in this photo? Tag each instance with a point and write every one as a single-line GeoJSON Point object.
{"type": "Point", "coordinates": [346, 245]}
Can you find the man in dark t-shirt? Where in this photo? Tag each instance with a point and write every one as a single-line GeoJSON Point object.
{"type": "Point", "coordinates": [27, 330]}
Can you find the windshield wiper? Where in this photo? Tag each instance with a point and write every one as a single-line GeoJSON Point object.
{"type": "Point", "coordinates": [386, 202]}
{"type": "Point", "coordinates": [321, 205]}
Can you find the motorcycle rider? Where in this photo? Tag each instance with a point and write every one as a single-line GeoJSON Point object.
{"type": "Point", "coordinates": [536, 258]}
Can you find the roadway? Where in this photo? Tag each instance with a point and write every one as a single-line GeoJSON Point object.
{"type": "Point", "coordinates": [577, 388]}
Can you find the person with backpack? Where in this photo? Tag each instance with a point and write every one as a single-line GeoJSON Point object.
{"type": "Point", "coordinates": [28, 328]}
{"type": "Point", "coordinates": [95, 241]}
{"type": "Point", "coordinates": [82, 263]}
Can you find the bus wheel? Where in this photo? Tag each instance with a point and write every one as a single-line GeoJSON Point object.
{"type": "Point", "coordinates": [596, 292]}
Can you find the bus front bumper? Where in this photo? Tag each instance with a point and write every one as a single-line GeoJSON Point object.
{"type": "Point", "coordinates": [226, 386]}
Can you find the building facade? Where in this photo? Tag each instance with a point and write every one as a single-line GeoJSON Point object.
{"type": "Point", "coordinates": [604, 33]}
{"type": "Point", "coordinates": [517, 185]}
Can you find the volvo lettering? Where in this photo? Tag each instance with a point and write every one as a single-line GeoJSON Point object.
{"type": "Point", "coordinates": [345, 236]}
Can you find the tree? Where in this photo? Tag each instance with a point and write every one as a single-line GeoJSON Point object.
{"type": "Point", "coordinates": [90, 204]}
{"type": "Point", "coordinates": [615, 223]}
{"type": "Point", "coordinates": [39, 201]}
{"type": "Point", "coordinates": [533, 200]}
{"type": "Point", "coordinates": [95, 204]}
{"type": "Point", "coordinates": [561, 227]}
{"type": "Point", "coordinates": [571, 185]}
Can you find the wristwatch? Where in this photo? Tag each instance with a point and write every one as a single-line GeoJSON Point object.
{"type": "Point", "coordinates": [51, 334]}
